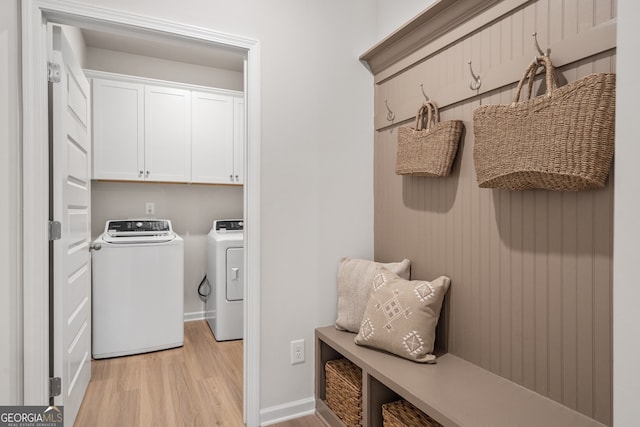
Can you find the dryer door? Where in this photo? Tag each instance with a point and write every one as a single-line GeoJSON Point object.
{"type": "Point", "coordinates": [235, 274]}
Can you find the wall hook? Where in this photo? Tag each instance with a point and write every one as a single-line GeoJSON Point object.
{"type": "Point", "coordinates": [426, 98]}
{"type": "Point", "coordinates": [390, 114]}
{"type": "Point", "coordinates": [475, 84]}
{"type": "Point", "coordinates": [535, 41]}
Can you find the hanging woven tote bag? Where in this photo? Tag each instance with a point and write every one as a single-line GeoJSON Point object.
{"type": "Point", "coordinates": [562, 140]}
{"type": "Point", "coordinates": [429, 148]}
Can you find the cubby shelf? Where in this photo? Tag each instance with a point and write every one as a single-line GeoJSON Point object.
{"type": "Point", "coordinates": [454, 392]}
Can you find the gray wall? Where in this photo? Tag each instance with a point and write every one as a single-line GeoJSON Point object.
{"type": "Point", "coordinates": [191, 209]}
{"type": "Point", "coordinates": [531, 271]}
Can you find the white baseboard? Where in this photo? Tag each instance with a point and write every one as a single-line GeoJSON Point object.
{"type": "Point", "coordinates": [287, 411]}
{"type": "Point", "coordinates": [199, 315]}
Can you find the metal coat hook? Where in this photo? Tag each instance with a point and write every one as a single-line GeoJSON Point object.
{"type": "Point", "coordinates": [390, 114]}
{"type": "Point", "coordinates": [475, 84]}
{"type": "Point", "coordinates": [537, 46]}
{"type": "Point", "coordinates": [426, 98]}
{"type": "Point", "coordinates": [535, 40]}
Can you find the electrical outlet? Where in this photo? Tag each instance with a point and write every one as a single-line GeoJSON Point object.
{"type": "Point", "coordinates": [297, 352]}
{"type": "Point", "coordinates": [150, 208]}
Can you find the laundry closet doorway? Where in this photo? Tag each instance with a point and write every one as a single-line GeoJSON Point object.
{"type": "Point", "coordinates": [36, 15]}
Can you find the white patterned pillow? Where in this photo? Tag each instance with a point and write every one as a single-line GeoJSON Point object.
{"type": "Point", "coordinates": [401, 316]}
{"type": "Point", "coordinates": [354, 287]}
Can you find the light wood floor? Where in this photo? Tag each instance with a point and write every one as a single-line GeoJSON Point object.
{"type": "Point", "coordinates": [197, 385]}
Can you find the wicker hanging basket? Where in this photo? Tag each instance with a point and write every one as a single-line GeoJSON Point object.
{"type": "Point", "coordinates": [563, 140]}
{"type": "Point", "coordinates": [430, 147]}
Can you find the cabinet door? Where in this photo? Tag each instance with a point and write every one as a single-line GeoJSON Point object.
{"type": "Point", "coordinates": [238, 139]}
{"type": "Point", "coordinates": [167, 134]}
{"type": "Point", "coordinates": [212, 135]}
{"type": "Point", "coordinates": [118, 130]}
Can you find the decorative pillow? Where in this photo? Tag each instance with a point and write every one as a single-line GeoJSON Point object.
{"type": "Point", "coordinates": [401, 316]}
{"type": "Point", "coordinates": [354, 288]}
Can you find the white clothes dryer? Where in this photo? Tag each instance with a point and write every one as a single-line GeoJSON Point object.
{"type": "Point", "coordinates": [225, 274]}
{"type": "Point", "coordinates": [138, 287]}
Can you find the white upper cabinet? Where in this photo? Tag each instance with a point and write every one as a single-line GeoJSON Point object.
{"type": "Point", "coordinates": [212, 138]}
{"type": "Point", "coordinates": [166, 133]}
{"type": "Point", "coordinates": [238, 139]}
{"type": "Point", "coordinates": [118, 123]}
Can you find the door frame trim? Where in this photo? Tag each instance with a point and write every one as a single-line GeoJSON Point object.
{"type": "Point", "coordinates": [35, 174]}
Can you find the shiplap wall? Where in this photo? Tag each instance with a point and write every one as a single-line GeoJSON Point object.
{"type": "Point", "coordinates": [531, 271]}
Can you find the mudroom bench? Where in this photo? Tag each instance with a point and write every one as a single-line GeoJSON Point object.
{"type": "Point", "coordinates": [453, 391]}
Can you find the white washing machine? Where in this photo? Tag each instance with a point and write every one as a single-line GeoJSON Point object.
{"type": "Point", "coordinates": [138, 286]}
{"type": "Point", "coordinates": [225, 273]}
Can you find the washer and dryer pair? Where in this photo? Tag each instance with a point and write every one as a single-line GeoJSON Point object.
{"type": "Point", "coordinates": [138, 285]}
{"type": "Point", "coordinates": [225, 274]}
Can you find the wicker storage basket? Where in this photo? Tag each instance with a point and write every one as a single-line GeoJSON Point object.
{"type": "Point", "coordinates": [430, 147]}
{"type": "Point", "coordinates": [344, 391]}
{"type": "Point", "coordinates": [404, 414]}
{"type": "Point", "coordinates": [562, 140]}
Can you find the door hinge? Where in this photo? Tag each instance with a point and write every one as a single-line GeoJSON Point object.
{"type": "Point", "coordinates": [53, 72]}
{"type": "Point", "coordinates": [55, 387]}
{"type": "Point", "coordinates": [55, 230]}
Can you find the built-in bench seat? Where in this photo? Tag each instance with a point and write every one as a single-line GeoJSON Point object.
{"type": "Point", "coordinates": [453, 391]}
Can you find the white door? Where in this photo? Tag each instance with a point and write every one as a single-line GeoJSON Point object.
{"type": "Point", "coordinates": [71, 182]}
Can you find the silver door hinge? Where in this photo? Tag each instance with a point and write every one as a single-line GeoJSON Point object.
{"type": "Point", "coordinates": [55, 230]}
{"type": "Point", "coordinates": [55, 386]}
{"type": "Point", "coordinates": [53, 72]}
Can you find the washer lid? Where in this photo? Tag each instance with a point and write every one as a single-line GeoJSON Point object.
{"type": "Point", "coordinates": [138, 230]}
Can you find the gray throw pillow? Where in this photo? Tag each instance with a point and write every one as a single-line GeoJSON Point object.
{"type": "Point", "coordinates": [354, 288]}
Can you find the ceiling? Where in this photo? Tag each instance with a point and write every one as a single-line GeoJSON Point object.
{"type": "Point", "coordinates": [192, 52]}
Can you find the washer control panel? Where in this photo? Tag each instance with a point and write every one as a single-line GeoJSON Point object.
{"type": "Point", "coordinates": [224, 225]}
{"type": "Point", "coordinates": [138, 227]}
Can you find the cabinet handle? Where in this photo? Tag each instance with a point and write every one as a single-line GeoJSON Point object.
{"type": "Point", "coordinates": [231, 177]}
{"type": "Point", "coordinates": [237, 178]}
{"type": "Point", "coordinates": [147, 173]}
{"type": "Point", "coordinates": [141, 173]}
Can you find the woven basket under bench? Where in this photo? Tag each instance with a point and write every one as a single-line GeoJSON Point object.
{"type": "Point", "coordinates": [403, 414]}
{"type": "Point", "coordinates": [344, 391]}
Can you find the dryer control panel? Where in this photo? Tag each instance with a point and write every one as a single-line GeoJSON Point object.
{"type": "Point", "coordinates": [224, 225]}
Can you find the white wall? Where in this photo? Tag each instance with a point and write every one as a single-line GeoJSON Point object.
{"type": "Point", "coordinates": [162, 69]}
{"type": "Point", "coordinates": [191, 209]}
{"type": "Point", "coordinates": [10, 221]}
{"type": "Point", "coordinates": [392, 14]}
{"type": "Point", "coordinates": [317, 154]}
{"type": "Point", "coordinates": [626, 238]}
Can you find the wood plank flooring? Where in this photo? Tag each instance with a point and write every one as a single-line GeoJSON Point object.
{"type": "Point", "coordinates": [197, 385]}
